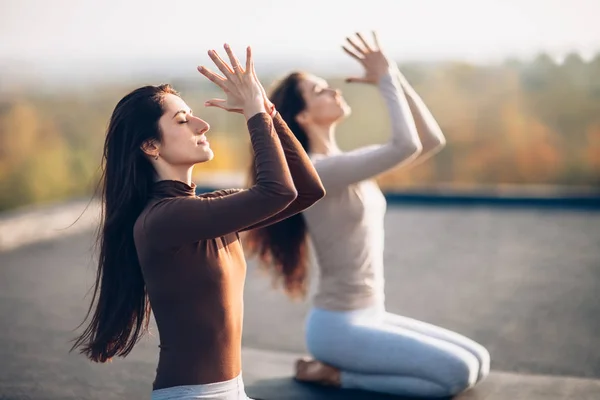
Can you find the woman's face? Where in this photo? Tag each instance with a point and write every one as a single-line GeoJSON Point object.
{"type": "Point", "coordinates": [324, 105]}
{"type": "Point", "coordinates": [183, 141]}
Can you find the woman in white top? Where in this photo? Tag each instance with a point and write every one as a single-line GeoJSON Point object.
{"type": "Point", "coordinates": [355, 342]}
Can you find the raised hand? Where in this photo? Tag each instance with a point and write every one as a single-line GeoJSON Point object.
{"type": "Point", "coordinates": [376, 64]}
{"type": "Point", "coordinates": [244, 92]}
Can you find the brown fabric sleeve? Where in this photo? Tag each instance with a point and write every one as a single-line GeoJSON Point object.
{"type": "Point", "coordinates": [307, 181]}
{"type": "Point", "coordinates": [188, 219]}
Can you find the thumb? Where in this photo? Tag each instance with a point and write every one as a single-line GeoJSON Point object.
{"type": "Point", "coordinates": [220, 103]}
{"type": "Point", "coordinates": [356, 80]}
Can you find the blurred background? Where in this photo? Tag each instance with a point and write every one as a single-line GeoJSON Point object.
{"type": "Point", "coordinates": [515, 85]}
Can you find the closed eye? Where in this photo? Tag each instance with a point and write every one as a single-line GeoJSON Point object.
{"type": "Point", "coordinates": [184, 112]}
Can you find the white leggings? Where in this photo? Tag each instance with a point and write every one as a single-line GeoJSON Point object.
{"type": "Point", "coordinates": [387, 353]}
{"type": "Point", "coordinates": [227, 390]}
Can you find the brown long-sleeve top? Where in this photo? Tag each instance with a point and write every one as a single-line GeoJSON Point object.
{"type": "Point", "coordinates": [192, 259]}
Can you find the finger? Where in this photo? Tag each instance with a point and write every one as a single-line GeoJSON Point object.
{"type": "Point", "coordinates": [262, 89]}
{"type": "Point", "coordinates": [356, 47]}
{"type": "Point", "coordinates": [252, 69]}
{"type": "Point", "coordinates": [357, 80]}
{"type": "Point", "coordinates": [237, 68]}
{"type": "Point", "coordinates": [216, 79]}
{"type": "Point", "coordinates": [249, 60]}
{"type": "Point", "coordinates": [223, 67]}
{"type": "Point", "coordinates": [214, 102]}
{"type": "Point", "coordinates": [376, 41]}
{"type": "Point", "coordinates": [220, 103]}
{"type": "Point", "coordinates": [364, 42]}
{"type": "Point", "coordinates": [352, 54]}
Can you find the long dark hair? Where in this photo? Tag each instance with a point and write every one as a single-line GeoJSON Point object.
{"type": "Point", "coordinates": [282, 248]}
{"type": "Point", "coordinates": [122, 309]}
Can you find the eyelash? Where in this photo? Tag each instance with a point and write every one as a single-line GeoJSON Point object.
{"type": "Point", "coordinates": [183, 122]}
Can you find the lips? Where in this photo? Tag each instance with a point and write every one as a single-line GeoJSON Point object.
{"type": "Point", "coordinates": [202, 140]}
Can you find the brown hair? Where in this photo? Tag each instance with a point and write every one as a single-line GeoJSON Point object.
{"type": "Point", "coordinates": [119, 301]}
{"type": "Point", "coordinates": [282, 248]}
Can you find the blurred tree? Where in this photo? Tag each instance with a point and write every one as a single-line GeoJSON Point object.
{"type": "Point", "coordinates": [518, 122]}
{"type": "Point", "coordinates": [32, 158]}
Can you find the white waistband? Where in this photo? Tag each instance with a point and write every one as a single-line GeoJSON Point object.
{"type": "Point", "coordinates": [232, 389]}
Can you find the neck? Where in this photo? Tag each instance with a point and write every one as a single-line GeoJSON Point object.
{"type": "Point", "coordinates": [322, 138]}
{"type": "Point", "coordinates": [166, 172]}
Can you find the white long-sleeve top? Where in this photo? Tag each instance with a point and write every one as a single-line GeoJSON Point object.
{"type": "Point", "coordinates": [346, 227]}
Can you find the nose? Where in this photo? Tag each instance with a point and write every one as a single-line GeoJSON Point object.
{"type": "Point", "coordinates": [335, 92]}
{"type": "Point", "coordinates": [200, 126]}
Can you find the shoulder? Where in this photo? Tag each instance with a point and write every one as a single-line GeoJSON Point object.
{"type": "Point", "coordinates": [150, 210]}
{"type": "Point", "coordinates": [140, 225]}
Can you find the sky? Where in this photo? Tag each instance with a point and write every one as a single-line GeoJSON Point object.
{"type": "Point", "coordinates": [65, 35]}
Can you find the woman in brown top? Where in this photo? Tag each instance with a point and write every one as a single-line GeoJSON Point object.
{"type": "Point", "coordinates": [165, 249]}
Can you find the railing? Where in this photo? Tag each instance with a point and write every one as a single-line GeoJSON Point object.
{"type": "Point", "coordinates": [450, 195]}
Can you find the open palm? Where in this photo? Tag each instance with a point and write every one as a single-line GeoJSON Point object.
{"type": "Point", "coordinates": [375, 63]}
{"type": "Point", "coordinates": [239, 84]}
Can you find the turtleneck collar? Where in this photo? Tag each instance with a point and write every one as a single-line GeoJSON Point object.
{"type": "Point", "coordinates": [173, 188]}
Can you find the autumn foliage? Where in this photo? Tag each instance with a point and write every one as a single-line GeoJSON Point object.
{"type": "Point", "coordinates": [535, 123]}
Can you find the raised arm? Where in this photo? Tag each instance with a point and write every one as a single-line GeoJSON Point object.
{"type": "Point", "coordinates": [338, 171]}
{"type": "Point", "coordinates": [190, 219]}
{"type": "Point", "coordinates": [430, 133]}
{"type": "Point", "coordinates": [305, 177]}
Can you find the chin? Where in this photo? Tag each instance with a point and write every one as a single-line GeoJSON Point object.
{"type": "Point", "coordinates": [345, 111]}
{"type": "Point", "coordinates": [207, 156]}
{"type": "Point", "coordinates": [210, 155]}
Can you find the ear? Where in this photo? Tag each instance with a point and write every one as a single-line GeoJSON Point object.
{"type": "Point", "coordinates": [302, 118]}
{"type": "Point", "coordinates": [150, 148]}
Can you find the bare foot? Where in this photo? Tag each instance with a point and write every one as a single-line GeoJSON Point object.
{"type": "Point", "coordinates": [309, 370]}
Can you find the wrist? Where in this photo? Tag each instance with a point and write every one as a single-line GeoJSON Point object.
{"type": "Point", "coordinates": [271, 110]}
{"type": "Point", "coordinates": [385, 78]}
{"type": "Point", "coordinates": [254, 107]}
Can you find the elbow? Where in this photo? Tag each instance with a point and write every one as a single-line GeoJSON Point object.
{"type": "Point", "coordinates": [287, 196]}
{"type": "Point", "coordinates": [316, 193]}
{"type": "Point", "coordinates": [441, 143]}
{"type": "Point", "coordinates": [278, 194]}
{"type": "Point", "coordinates": [321, 193]}
{"type": "Point", "coordinates": [438, 141]}
{"type": "Point", "coordinates": [283, 199]}
{"type": "Point", "coordinates": [434, 145]}
{"type": "Point", "coordinates": [439, 146]}
{"type": "Point", "coordinates": [407, 151]}
{"type": "Point", "coordinates": [413, 149]}
{"type": "Point", "coordinates": [309, 196]}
